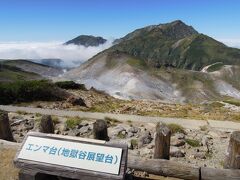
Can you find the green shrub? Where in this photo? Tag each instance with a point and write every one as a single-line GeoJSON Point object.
{"type": "Point", "coordinates": [27, 91]}
{"type": "Point", "coordinates": [134, 143]}
{"type": "Point", "coordinates": [233, 102]}
{"type": "Point", "coordinates": [175, 128]}
{"type": "Point", "coordinates": [55, 120]}
{"type": "Point", "coordinates": [70, 85]}
{"type": "Point", "coordinates": [38, 115]}
{"type": "Point", "coordinates": [203, 128]}
{"type": "Point", "coordinates": [22, 112]}
{"type": "Point", "coordinates": [216, 104]}
{"type": "Point", "coordinates": [72, 122]}
{"type": "Point", "coordinates": [215, 67]}
{"type": "Point", "coordinates": [121, 136]}
{"type": "Point", "coordinates": [193, 142]}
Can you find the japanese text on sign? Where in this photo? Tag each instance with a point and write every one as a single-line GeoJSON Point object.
{"type": "Point", "coordinates": [72, 154]}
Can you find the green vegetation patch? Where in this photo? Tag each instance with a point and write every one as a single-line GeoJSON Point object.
{"type": "Point", "coordinates": [204, 128]}
{"type": "Point", "coordinates": [233, 102]}
{"type": "Point", "coordinates": [138, 63]}
{"type": "Point", "coordinates": [55, 120]}
{"type": "Point", "coordinates": [193, 142]}
{"type": "Point", "coordinates": [72, 122]}
{"type": "Point", "coordinates": [215, 67]}
{"type": "Point", "coordinates": [134, 143]}
{"type": "Point", "coordinates": [216, 104]}
{"type": "Point", "coordinates": [21, 112]}
{"type": "Point", "coordinates": [27, 91]}
{"type": "Point", "coordinates": [175, 128]}
{"type": "Point", "coordinates": [11, 73]}
{"type": "Point", "coordinates": [70, 85]}
{"type": "Point", "coordinates": [121, 135]}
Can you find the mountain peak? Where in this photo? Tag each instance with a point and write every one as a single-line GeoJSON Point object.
{"type": "Point", "coordinates": [173, 30]}
{"type": "Point", "coordinates": [176, 22]}
{"type": "Point", "coordinates": [87, 40]}
{"type": "Point", "coordinates": [177, 29]}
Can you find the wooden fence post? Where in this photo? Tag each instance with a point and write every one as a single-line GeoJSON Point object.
{"type": "Point", "coordinates": [5, 129]}
{"type": "Point", "coordinates": [162, 142]}
{"type": "Point", "coordinates": [46, 125]}
{"type": "Point", "coordinates": [233, 155]}
{"type": "Point", "coordinates": [100, 131]}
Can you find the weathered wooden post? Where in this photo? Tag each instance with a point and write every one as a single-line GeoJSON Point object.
{"type": "Point", "coordinates": [233, 155]}
{"type": "Point", "coordinates": [5, 129]}
{"type": "Point", "coordinates": [46, 125]}
{"type": "Point", "coordinates": [162, 142]}
{"type": "Point", "coordinates": [100, 131]}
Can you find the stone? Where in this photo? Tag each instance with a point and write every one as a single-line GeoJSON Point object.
{"type": "Point", "coordinates": [213, 134]}
{"type": "Point", "coordinates": [76, 101]}
{"type": "Point", "coordinates": [29, 125]}
{"type": "Point", "coordinates": [129, 135]}
{"type": "Point", "coordinates": [205, 140]}
{"type": "Point", "coordinates": [124, 133]}
{"type": "Point", "coordinates": [176, 152]}
{"type": "Point", "coordinates": [150, 146]}
{"type": "Point", "coordinates": [177, 142]}
{"type": "Point", "coordinates": [65, 133]}
{"type": "Point", "coordinates": [61, 127]}
{"type": "Point", "coordinates": [200, 155]}
{"type": "Point", "coordinates": [84, 123]}
{"type": "Point", "coordinates": [130, 146]}
{"type": "Point", "coordinates": [57, 131]}
{"type": "Point", "coordinates": [84, 129]}
{"type": "Point", "coordinates": [134, 130]}
{"type": "Point", "coordinates": [117, 130]}
{"type": "Point", "coordinates": [144, 139]}
{"type": "Point", "coordinates": [180, 136]}
{"type": "Point", "coordinates": [73, 132]}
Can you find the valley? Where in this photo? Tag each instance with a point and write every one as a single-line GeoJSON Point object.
{"type": "Point", "coordinates": [168, 73]}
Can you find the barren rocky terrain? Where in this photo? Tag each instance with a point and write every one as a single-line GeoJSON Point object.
{"type": "Point", "coordinates": [201, 147]}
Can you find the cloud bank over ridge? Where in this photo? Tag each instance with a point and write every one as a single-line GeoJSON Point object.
{"type": "Point", "coordinates": [72, 55]}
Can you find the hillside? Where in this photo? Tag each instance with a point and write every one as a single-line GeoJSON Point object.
{"type": "Point", "coordinates": [33, 67]}
{"type": "Point", "coordinates": [10, 73]}
{"type": "Point", "coordinates": [177, 45]}
{"type": "Point", "coordinates": [86, 40]}
{"type": "Point", "coordinates": [163, 62]}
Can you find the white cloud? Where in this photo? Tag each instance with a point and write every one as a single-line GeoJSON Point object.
{"type": "Point", "coordinates": [231, 42]}
{"type": "Point", "coordinates": [70, 54]}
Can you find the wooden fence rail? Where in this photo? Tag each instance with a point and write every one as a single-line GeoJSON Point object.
{"type": "Point", "coordinates": [169, 168]}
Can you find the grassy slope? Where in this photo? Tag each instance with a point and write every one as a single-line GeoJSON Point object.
{"type": "Point", "coordinates": [11, 73]}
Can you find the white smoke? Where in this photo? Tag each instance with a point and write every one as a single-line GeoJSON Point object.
{"type": "Point", "coordinates": [72, 55]}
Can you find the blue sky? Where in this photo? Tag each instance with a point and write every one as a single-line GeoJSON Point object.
{"type": "Point", "coordinates": [60, 20]}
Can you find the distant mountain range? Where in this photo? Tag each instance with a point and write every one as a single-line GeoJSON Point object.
{"type": "Point", "coordinates": [86, 40]}
{"type": "Point", "coordinates": [170, 62]}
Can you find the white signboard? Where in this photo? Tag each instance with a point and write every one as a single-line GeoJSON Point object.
{"type": "Point", "coordinates": [72, 154]}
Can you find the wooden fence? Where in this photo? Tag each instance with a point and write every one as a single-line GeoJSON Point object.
{"type": "Point", "coordinates": [160, 165]}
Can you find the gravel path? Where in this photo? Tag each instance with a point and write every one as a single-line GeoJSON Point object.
{"type": "Point", "coordinates": [187, 123]}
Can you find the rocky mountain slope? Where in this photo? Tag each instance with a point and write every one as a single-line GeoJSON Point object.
{"type": "Point", "coordinates": [163, 62]}
{"type": "Point", "coordinates": [87, 41]}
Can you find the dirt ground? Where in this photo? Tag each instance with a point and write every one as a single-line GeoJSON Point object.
{"type": "Point", "coordinates": [7, 169]}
